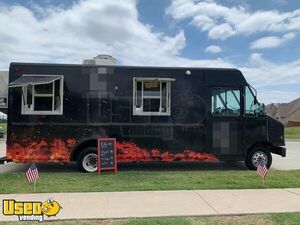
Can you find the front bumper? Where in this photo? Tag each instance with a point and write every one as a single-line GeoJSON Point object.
{"type": "Point", "coordinates": [279, 151]}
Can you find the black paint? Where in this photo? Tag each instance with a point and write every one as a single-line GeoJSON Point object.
{"type": "Point", "coordinates": [100, 105]}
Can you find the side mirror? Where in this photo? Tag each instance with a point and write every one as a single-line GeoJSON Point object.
{"type": "Point", "coordinates": [261, 108]}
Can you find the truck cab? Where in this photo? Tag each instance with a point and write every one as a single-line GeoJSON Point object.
{"type": "Point", "coordinates": [239, 127]}
{"type": "Point", "coordinates": [263, 134]}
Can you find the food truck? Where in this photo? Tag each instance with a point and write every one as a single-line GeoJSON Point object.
{"type": "Point", "coordinates": [56, 112]}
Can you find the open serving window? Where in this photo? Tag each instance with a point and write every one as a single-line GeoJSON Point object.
{"type": "Point", "coordinates": [152, 96]}
{"type": "Point", "coordinates": [41, 94]}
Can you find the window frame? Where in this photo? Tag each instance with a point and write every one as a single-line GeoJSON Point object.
{"type": "Point", "coordinates": [226, 88]}
{"type": "Point", "coordinates": [30, 111]}
{"type": "Point", "coordinates": [253, 94]}
{"type": "Point", "coordinates": [136, 112]}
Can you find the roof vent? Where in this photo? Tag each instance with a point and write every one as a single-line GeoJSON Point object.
{"type": "Point", "coordinates": [103, 60]}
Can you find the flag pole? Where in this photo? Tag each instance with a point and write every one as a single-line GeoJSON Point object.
{"type": "Point", "coordinates": [34, 182]}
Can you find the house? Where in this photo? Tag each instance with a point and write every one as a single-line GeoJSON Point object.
{"type": "Point", "coordinates": [287, 113]}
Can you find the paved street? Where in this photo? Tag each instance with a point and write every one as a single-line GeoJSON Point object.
{"type": "Point", "coordinates": [2, 147]}
{"type": "Point", "coordinates": [292, 161]}
{"type": "Point", "coordinates": [104, 205]}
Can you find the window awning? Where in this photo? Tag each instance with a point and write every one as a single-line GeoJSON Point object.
{"type": "Point", "coordinates": [34, 79]}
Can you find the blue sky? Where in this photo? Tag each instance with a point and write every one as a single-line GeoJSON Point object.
{"type": "Point", "coordinates": [235, 48]}
{"type": "Point", "coordinates": [261, 38]}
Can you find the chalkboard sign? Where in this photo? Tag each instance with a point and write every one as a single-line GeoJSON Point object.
{"type": "Point", "coordinates": [107, 154]}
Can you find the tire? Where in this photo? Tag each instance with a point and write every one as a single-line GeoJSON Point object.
{"type": "Point", "coordinates": [87, 160]}
{"type": "Point", "coordinates": [256, 154]}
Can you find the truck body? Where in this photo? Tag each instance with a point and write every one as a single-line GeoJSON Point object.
{"type": "Point", "coordinates": [57, 111]}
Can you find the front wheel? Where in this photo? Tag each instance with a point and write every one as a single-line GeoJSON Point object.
{"type": "Point", "coordinates": [87, 160]}
{"type": "Point", "coordinates": [257, 154]}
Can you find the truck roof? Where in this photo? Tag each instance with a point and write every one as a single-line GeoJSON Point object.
{"type": "Point", "coordinates": [118, 66]}
{"type": "Point", "coordinates": [214, 76]}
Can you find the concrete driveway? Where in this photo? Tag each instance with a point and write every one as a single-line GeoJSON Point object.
{"type": "Point", "coordinates": [292, 161]}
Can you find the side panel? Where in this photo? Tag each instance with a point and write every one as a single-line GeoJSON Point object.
{"type": "Point", "coordinates": [46, 137]}
{"type": "Point", "coordinates": [255, 131]}
{"type": "Point", "coordinates": [56, 145]}
{"type": "Point", "coordinates": [98, 103]}
{"type": "Point", "coordinates": [227, 137]}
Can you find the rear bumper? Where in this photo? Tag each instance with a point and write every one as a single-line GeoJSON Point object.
{"type": "Point", "coordinates": [279, 151]}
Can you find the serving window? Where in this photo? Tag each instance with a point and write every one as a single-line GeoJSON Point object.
{"type": "Point", "coordinates": [41, 94]}
{"type": "Point", "coordinates": [152, 96]}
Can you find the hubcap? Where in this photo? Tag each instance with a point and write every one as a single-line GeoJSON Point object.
{"type": "Point", "coordinates": [89, 162]}
{"type": "Point", "coordinates": [258, 156]}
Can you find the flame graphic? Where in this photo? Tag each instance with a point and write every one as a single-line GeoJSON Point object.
{"type": "Point", "coordinates": [60, 150]}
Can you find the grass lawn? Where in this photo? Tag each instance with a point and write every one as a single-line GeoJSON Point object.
{"type": "Point", "coordinates": [4, 126]}
{"type": "Point", "coordinates": [292, 132]}
{"type": "Point", "coordinates": [147, 180]}
{"type": "Point", "coordinates": [263, 219]}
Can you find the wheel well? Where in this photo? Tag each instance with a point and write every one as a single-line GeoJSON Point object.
{"type": "Point", "coordinates": [81, 146]}
{"type": "Point", "coordinates": [260, 144]}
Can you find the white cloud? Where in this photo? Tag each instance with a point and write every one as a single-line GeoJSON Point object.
{"type": "Point", "coordinates": [272, 41]}
{"type": "Point", "coordinates": [221, 32]}
{"type": "Point", "coordinates": [86, 29]}
{"type": "Point", "coordinates": [263, 73]}
{"type": "Point", "coordinates": [222, 22]}
{"type": "Point", "coordinates": [91, 27]}
{"type": "Point", "coordinates": [204, 22]}
{"type": "Point", "coordinates": [274, 96]}
{"type": "Point", "coordinates": [267, 77]}
{"type": "Point", "coordinates": [213, 49]}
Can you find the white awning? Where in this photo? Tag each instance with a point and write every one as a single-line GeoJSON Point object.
{"type": "Point", "coordinates": [34, 79]}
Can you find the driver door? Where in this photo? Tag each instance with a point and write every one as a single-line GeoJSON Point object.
{"type": "Point", "coordinates": [226, 122]}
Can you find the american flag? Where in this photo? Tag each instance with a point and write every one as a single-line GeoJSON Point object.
{"type": "Point", "coordinates": [262, 169]}
{"type": "Point", "coordinates": [32, 173]}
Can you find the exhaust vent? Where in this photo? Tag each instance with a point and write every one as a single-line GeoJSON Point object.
{"type": "Point", "coordinates": [104, 60]}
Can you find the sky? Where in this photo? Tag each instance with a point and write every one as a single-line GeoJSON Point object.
{"type": "Point", "coordinates": [261, 38]}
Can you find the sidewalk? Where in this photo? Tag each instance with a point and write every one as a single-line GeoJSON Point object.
{"type": "Point", "coordinates": [104, 205]}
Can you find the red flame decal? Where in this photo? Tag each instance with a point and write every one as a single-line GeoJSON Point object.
{"type": "Point", "coordinates": [59, 150]}
{"type": "Point", "coordinates": [42, 151]}
{"type": "Point", "coordinates": [130, 152]}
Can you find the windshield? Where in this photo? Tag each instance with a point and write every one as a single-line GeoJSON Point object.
{"type": "Point", "coordinates": [251, 105]}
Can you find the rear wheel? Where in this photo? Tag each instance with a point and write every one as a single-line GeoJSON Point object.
{"type": "Point", "coordinates": [87, 160]}
{"type": "Point", "coordinates": [257, 154]}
